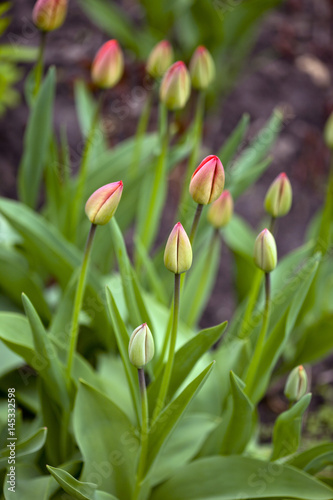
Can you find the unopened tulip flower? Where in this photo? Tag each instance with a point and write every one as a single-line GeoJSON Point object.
{"type": "Point", "coordinates": [279, 196]}
{"type": "Point", "coordinates": [296, 384]}
{"type": "Point", "coordinates": [108, 65]}
{"type": "Point", "coordinates": [176, 86]}
{"type": "Point", "coordinates": [49, 15]}
{"type": "Point", "coordinates": [265, 252]}
{"type": "Point", "coordinates": [328, 132]}
{"type": "Point", "coordinates": [160, 59]}
{"type": "Point", "coordinates": [103, 203]}
{"type": "Point", "coordinates": [220, 212]}
{"type": "Point", "coordinates": [178, 251]}
{"type": "Point", "coordinates": [202, 68]}
{"type": "Point", "coordinates": [141, 346]}
{"type": "Point", "coordinates": [207, 182]}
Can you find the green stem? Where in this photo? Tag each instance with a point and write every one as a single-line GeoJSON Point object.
{"type": "Point", "coordinates": [168, 368]}
{"type": "Point", "coordinates": [272, 225]}
{"type": "Point", "coordinates": [144, 434]}
{"type": "Point", "coordinates": [78, 301]}
{"type": "Point", "coordinates": [195, 223]}
{"type": "Point", "coordinates": [140, 133]}
{"type": "Point", "coordinates": [253, 368]}
{"type": "Point", "coordinates": [39, 69]}
{"type": "Point", "coordinates": [245, 329]}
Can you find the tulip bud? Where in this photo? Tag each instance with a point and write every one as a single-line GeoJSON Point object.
{"type": "Point", "coordinates": [178, 251]}
{"type": "Point", "coordinates": [141, 346]}
{"type": "Point", "coordinates": [176, 86]}
{"type": "Point", "coordinates": [103, 203]}
{"type": "Point", "coordinates": [202, 68]}
{"type": "Point", "coordinates": [265, 253]}
{"type": "Point", "coordinates": [160, 59]}
{"type": "Point", "coordinates": [296, 384]}
{"type": "Point", "coordinates": [207, 182]}
{"type": "Point", "coordinates": [279, 196]}
{"type": "Point", "coordinates": [221, 210]}
{"type": "Point", "coordinates": [328, 132]}
{"type": "Point", "coordinates": [49, 15]}
{"type": "Point", "coordinates": [108, 65]}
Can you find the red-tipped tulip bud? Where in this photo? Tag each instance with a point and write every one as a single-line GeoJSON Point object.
{"type": "Point", "coordinates": [178, 251]}
{"type": "Point", "coordinates": [202, 68]}
{"type": "Point", "coordinates": [265, 253]}
{"type": "Point", "coordinates": [103, 203]}
{"type": "Point", "coordinates": [141, 346]}
{"type": "Point", "coordinates": [48, 15]}
{"type": "Point", "coordinates": [207, 182]}
{"type": "Point", "coordinates": [176, 86]}
{"type": "Point", "coordinates": [279, 197]}
{"type": "Point", "coordinates": [220, 212]}
{"type": "Point", "coordinates": [160, 59]}
{"type": "Point", "coordinates": [296, 384]}
{"type": "Point", "coordinates": [328, 132]}
{"type": "Point", "coordinates": [108, 65]}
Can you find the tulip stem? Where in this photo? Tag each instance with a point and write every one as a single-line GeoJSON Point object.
{"type": "Point", "coordinates": [272, 224]}
{"type": "Point", "coordinates": [78, 301]}
{"type": "Point", "coordinates": [195, 222]}
{"type": "Point", "coordinates": [144, 433]}
{"type": "Point", "coordinates": [39, 68]}
{"type": "Point", "coordinates": [169, 364]}
{"type": "Point", "coordinates": [253, 368]}
{"type": "Point", "coordinates": [246, 326]}
{"type": "Point", "coordinates": [140, 133]}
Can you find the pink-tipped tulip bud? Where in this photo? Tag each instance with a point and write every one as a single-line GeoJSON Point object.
{"type": "Point", "coordinates": [48, 15]}
{"type": "Point", "coordinates": [279, 197]}
{"type": "Point", "coordinates": [108, 65]}
{"type": "Point", "coordinates": [220, 212]}
{"type": "Point", "coordinates": [207, 182]}
{"type": "Point", "coordinates": [265, 252]}
{"type": "Point", "coordinates": [160, 59]}
{"type": "Point", "coordinates": [178, 251]}
{"type": "Point", "coordinates": [141, 346]}
{"type": "Point", "coordinates": [176, 86]}
{"type": "Point", "coordinates": [296, 385]}
{"type": "Point", "coordinates": [103, 203]}
{"type": "Point", "coordinates": [202, 68]}
{"type": "Point", "coordinates": [328, 132]}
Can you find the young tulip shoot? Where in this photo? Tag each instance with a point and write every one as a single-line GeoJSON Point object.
{"type": "Point", "coordinates": [108, 65]}
{"type": "Point", "coordinates": [141, 346]}
{"type": "Point", "coordinates": [221, 211]}
{"type": "Point", "coordinates": [103, 203]}
{"type": "Point", "coordinates": [160, 59]}
{"type": "Point", "coordinates": [178, 251]}
{"type": "Point", "coordinates": [176, 86]}
{"type": "Point", "coordinates": [207, 182]}
{"type": "Point", "coordinates": [265, 252]}
{"type": "Point", "coordinates": [279, 197]}
{"type": "Point", "coordinates": [202, 68]}
{"type": "Point", "coordinates": [48, 15]}
{"type": "Point", "coordinates": [296, 385]}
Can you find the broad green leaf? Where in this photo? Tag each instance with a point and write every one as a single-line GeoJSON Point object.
{"type": "Point", "coordinates": [122, 339]}
{"type": "Point", "coordinates": [240, 237]}
{"type": "Point", "coordinates": [240, 424]}
{"type": "Point", "coordinates": [36, 142]}
{"type": "Point", "coordinates": [250, 178]}
{"type": "Point", "coordinates": [169, 417]}
{"type": "Point", "coordinates": [185, 359]}
{"type": "Point", "coordinates": [228, 478]}
{"type": "Point", "coordinates": [8, 359]}
{"type": "Point", "coordinates": [107, 441]}
{"type": "Point", "coordinates": [75, 488]}
{"type": "Point", "coordinates": [234, 141]}
{"type": "Point", "coordinates": [18, 53]}
{"type": "Point", "coordinates": [26, 447]}
{"type": "Point", "coordinates": [50, 369]}
{"type": "Point", "coordinates": [324, 239]}
{"type": "Point", "coordinates": [315, 459]}
{"type": "Point", "coordinates": [287, 429]}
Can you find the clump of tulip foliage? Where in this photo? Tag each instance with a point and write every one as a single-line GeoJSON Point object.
{"type": "Point", "coordinates": [119, 393]}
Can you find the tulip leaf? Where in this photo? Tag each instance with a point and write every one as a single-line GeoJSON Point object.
{"type": "Point", "coordinates": [106, 438]}
{"type": "Point", "coordinates": [36, 141]}
{"type": "Point", "coordinates": [185, 359]}
{"type": "Point", "coordinates": [26, 447]}
{"type": "Point", "coordinates": [75, 488]}
{"type": "Point", "coordinates": [228, 478]}
{"type": "Point", "coordinates": [234, 141]}
{"type": "Point", "coordinates": [287, 429]}
{"type": "Point", "coordinates": [315, 459]}
{"type": "Point", "coordinates": [169, 417]}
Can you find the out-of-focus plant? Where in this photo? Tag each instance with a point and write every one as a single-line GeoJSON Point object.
{"type": "Point", "coordinates": [158, 413]}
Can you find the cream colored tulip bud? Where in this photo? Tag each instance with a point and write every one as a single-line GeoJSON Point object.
{"type": "Point", "coordinates": [141, 346]}
{"type": "Point", "coordinates": [296, 385]}
{"type": "Point", "coordinates": [279, 196]}
{"type": "Point", "coordinates": [178, 251]}
{"type": "Point", "coordinates": [176, 86]}
{"type": "Point", "coordinates": [202, 68]}
{"type": "Point", "coordinates": [160, 59]}
{"type": "Point", "coordinates": [103, 203]}
{"type": "Point", "coordinates": [265, 252]}
{"type": "Point", "coordinates": [220, 212]}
